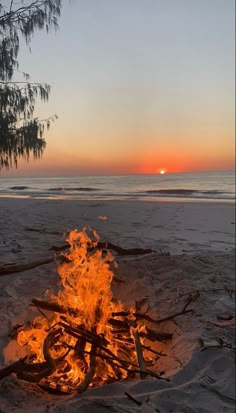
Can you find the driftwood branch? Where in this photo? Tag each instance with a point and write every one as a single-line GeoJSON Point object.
{"type": "Point", "coordinates": [12, 368]}
{"type": "Point", "coordinates": [109, 246]}
{"type": "Point", "coordinates": [230, 290]}
{"type": "Point", "coordinates": [221, 343]}
{"type": "Point", "coordinates": [226, 323]}
{"type": "Point", "coordinates": [59, 248]}
{"type": "Point", "coordinates": [43, 231]}
{"type": "Point", "coordinates": [123, 251]}
{"type": "Point", "coordinates": [10, 269]}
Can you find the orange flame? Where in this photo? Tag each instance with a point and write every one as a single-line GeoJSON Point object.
{"type": "Point", "coordinates": [85, 289]}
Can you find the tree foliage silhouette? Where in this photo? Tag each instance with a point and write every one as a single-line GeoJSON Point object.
{"type": "Point", "coordinates": [21, 134]}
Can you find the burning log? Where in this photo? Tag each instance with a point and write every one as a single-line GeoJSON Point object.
{"type": "Point", "coordinates": [34, 372]}
{"type": "Point", "coordinates": [46, 368]}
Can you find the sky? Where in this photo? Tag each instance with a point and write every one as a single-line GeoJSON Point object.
{"type": "Point", "coordinates": [138, 86]}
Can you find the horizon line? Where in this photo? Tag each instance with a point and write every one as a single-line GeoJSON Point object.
{"type": "Point", "coordinates": [119, 174]}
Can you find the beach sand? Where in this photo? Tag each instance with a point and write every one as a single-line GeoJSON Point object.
{"type": "Point", "coordinates": [200, 238]}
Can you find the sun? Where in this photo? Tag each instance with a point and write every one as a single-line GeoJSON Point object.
{"type": "Point", "coordinates": [162, 172]}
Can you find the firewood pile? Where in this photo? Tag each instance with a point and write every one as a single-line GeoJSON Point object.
{"type": "Point", "coordinates": [84, 337]}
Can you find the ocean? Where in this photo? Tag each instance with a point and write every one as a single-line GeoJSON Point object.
{"type": "Point", "coordinates": [208, 186]}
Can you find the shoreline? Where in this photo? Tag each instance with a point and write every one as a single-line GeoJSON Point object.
{"type": "Point", "coordinates": [120, 198]}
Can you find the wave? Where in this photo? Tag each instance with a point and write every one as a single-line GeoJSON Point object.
{"type": "Point", "coordinates": [190, 193]}
{"type": "Point", "coordinates": [87, 189]}
{"type": "Point", "coordinates": [182, 191]}
{"type": "Point", "coordinates": [19, 188]}
{"type": "Point", "coordinates": [145, 191]}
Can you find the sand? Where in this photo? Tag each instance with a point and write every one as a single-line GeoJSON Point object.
{"type": "Point", "coordinates": [200, 239]}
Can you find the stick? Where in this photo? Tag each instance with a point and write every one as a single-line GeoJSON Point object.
{"type": "Point", "coordinates": [57, 308]}
{"type": "Point", "coordinates": [153, 351]}
{"type": "Point", "coordinates": [146, 371]}
{"type": "Point", "coordinates": [139, 352]}
{"type": "Point", "coordinates": [133, 399]}
{"type": "Point", "coordinates": [161, 320]}
{"type": "Point", "coordinates": [10, 269]}
{"type": "Point", "coordinates": [115, 368]}
{"type": "Point", "coordinates": [227, 323]}
{"type": "Point", "coordinates": [122, 324]}
{"type": "Point", "coordinates": [92, 369]}
{"type": "Point", "coordinates": [153, 335]}
{"type": "Point", "coordinates": [188, 301]}
{"type": "Point", "coordinates": [80, 331]}
{"type": "Point", "coordinates": [124, 365]}
{"type": "Point", "coordinates": [147, 317]}
{"type": "Point", "coordinates": [114, 358]}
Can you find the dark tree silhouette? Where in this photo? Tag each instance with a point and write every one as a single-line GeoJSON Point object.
{"type": "Point", "coordinates": [21, 134]}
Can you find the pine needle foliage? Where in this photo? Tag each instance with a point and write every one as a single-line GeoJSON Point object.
{"type": "Point", "coordinates": [21, 134]}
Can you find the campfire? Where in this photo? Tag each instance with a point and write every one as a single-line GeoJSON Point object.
{"type": "Point", "coordinates": [83, 336]}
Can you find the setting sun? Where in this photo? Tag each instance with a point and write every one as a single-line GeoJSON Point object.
{"type": "Point", "coordinates": [162, 171]}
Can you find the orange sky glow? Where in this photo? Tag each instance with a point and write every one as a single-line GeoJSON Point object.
{"type": "Point", "coordinates": [57, 164]}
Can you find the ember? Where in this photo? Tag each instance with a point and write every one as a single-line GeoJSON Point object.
{"type": "Point", "coordinates": [86, 338]}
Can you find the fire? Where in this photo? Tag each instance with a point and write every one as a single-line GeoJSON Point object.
{"type": "Point", "coordinates": [81, 339]}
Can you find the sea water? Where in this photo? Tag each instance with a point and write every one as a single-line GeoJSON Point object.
{"type": "Point", "coordinates": [214, 186]}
